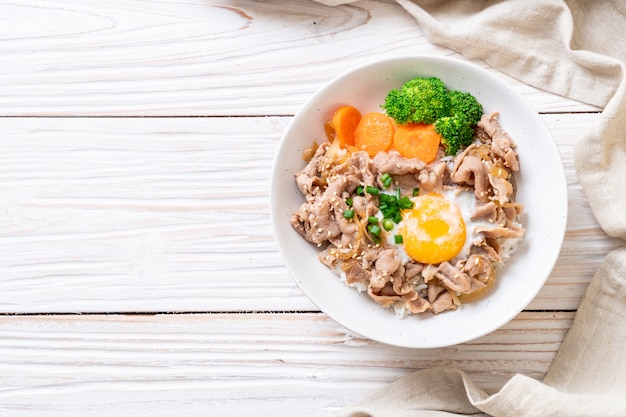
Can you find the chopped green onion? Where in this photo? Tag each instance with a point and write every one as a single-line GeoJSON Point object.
{"type": "Point", "coordinates": [388, 198]}
{"type": "Point", "coordinates": [372, 190]}
{"type": "Point", "coordinates": [397, 239]}
{"type": "Point", "coordinates": [416, 192]}
{"type": "Point", "coordinates": [348, 214]}
{"type": "Point", "coordinates": [349, 202]}
{"type": "Point", "coordinates": [359, 190]}
{"type": "Point", "coordinates": [372, 220]}
{"type": "Point", "coordinates": [377, 239]}
{"type": "Point", "coordinates": [388, 224]}
{"type": "Point", "coordinates": [386, 179]}
{"type": "Point", "coordinates": [374, 229]}
{"type": "Point", "coordinates": [391, 206]}
{"type": "Point", "coordinates": [405, 203]}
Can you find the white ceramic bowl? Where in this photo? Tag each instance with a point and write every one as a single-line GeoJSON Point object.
{"type": "Point", "coordinates": [541, 189]}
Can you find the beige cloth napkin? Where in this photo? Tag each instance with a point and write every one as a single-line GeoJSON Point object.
{"type": "Point", "coordinates": [577, 49]}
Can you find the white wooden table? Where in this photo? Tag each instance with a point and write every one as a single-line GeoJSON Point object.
{"type": "Point", "coordinates": [138, 271]}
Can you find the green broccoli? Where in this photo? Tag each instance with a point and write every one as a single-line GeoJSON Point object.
{"type": "Point", "coordinates": [455, 131]}
{"type": "Point", "coordinates": [427, 100]}
{"type": "Point", "coordinates": [420, 100]}
{"type": "Point", "coordinates": [465, 105]}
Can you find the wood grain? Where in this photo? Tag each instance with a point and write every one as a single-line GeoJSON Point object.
{"type": "Point", "coordinates": [172, 214]}
{"type": "Point", "coordinates": [136, 57]}
{"type": "Point", "coordinates": [115, 197]}
{"type": "Point", "coordinates": [274, 364]}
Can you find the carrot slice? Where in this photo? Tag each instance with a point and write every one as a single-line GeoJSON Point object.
{"type": "Point", "coordinates": [417, 140]}
{"type": "Point", "coordinates": [374, 133]}
{"type": "Point", "coordinates": [344, 122]}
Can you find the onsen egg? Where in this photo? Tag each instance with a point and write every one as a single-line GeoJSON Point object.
{"type": "Point", "coordinates": [433, 231]}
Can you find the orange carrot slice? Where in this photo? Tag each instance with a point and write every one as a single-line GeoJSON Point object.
{"type": "Point", "coordinates": [344, 122]}
{"type": "Point", "coordinates": [417, 140]}
{"type": "Point", "coordinates": [374, 133]}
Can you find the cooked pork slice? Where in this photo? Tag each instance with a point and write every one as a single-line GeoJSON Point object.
{"type": "Point", "coordinates": [489, 251]}
{"type": "Point", "coordinates": [402, 287]}
{"type": "Point", "coordinates": [502, 189]}
{"type": "Point", "coordinates": [385, 265]}
{"type": "Point", "coordinates": [473, 172]}
{"type": "Point", "coordinates": [417, 305]}
{"type": "Point", "coordinates": [478, 267]}
{"type": "Point", "coordinates": [357, 274]}
{"type": "Point", "coordinates": [432, 178]}
{"type": "Point", "coordinates": [441, 299]}
{"type": "Point", "coordinates": [500, 232]}
{"type": "Point", "coordinates": [481, 135]}
{"type": "Point", "coordinates": [328, 258]}
{"type": "Point", "coordinates": [395, 164]}
{"type": "Point", "coordinates": [358, 165]}
{"type": "Point", "coordinates": [385, 296]}
{"type": "Point", "coordinates": [321, 219]}
{"type": "Point", "coordinates": [434, 290]}
{"type": "Point", "coordinates": [411, 269]}
{"type": "Point", "coordinates": [512, 211]}
{"type": "Point", "coordinates": [388, 296]}
{"type": "Point", "coordinates": [511, 160]}
{"type": "Point", "coordinates": [341, 186]}
{"type": "Point", "coordinates": [387, 262]}
{"type": "Point", "coordinates": [349, 234]}
{"type": "Point", "coordinates": [369, 255]}
{"type": "Point", "coordinates": [365, 205]}
{"type": "Point", "coordinates": [487, 212]}
{"type": "Point", "coordinates": [309, 177]}
{"type": "Point", "coordinates": [501, 143]}
{"type": "Point", "coordinates": [315, 221]}
{"type": "Point", "coordinates": [475, 284]}
{"type": "Point", "coordinates": [429, 272]}
{"type": "Point", "coordinates": [452, 278]}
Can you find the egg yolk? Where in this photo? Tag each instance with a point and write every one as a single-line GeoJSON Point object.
{"type": "Point", "coordinates": [433, 231]}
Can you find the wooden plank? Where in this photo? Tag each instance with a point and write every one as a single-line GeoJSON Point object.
{"type": "Point", "coordinates": [172, 214]}
{"type": "Point", "coordinates": [131, 57]}
{"type": "Point", "coordinates": [278, 365]}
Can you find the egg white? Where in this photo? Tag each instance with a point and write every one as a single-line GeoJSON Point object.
{"type": "Point", "coordinates": [466, 202]}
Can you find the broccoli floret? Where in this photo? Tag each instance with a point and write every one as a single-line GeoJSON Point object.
{"type": "Point", "coordinates": [427, 100]}
{"type": "Point", "coordinates": [466, 105]}
{"type": "Point", "coordinates": [420, 100]}
{"type": "Point", "coordinates": [455, 131]}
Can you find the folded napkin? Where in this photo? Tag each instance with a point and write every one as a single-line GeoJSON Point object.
{"type": "Point", "coordinates": [576, 49]}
